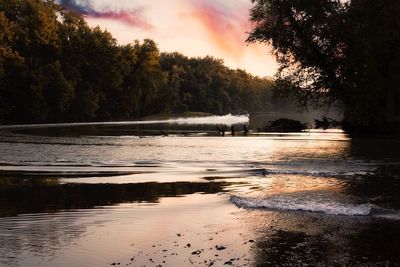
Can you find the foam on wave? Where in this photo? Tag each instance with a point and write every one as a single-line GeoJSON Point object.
{"type": "Point", "coordinates": [291, 203]}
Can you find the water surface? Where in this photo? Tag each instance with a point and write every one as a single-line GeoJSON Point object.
{"type": "Point", "coordinates": [85, 198]}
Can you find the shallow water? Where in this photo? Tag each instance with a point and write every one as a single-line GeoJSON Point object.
{"type": "Point", "coordinates": [90, 199]}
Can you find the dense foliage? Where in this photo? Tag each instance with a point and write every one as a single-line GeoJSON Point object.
{"type": "Point", "coordinates": [342, 52]}
{"type": "Point", "coordinates": [54, 67]}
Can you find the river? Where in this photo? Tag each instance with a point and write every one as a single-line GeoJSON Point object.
{"type": "Point", "coordinates": [106, 196]}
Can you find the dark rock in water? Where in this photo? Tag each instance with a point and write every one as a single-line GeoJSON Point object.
{"type": "Point", "coordinates": [197, 252]}
{"type": "Point", "coordinates": [251, 241]}
{"type": "Point", "coordinates": [219, 247]}
{"type": "Point", "coordinates": [285, 125]}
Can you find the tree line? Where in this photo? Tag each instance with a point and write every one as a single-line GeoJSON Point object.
{"type": "Point", "coordinates": [55, 68]}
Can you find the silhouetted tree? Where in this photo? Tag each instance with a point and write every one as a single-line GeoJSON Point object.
{"type": "Point", "coordinates": [343, 52]}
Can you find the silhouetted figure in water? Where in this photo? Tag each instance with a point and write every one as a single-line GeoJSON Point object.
{"type": "Point", "coordinates": [221, 130]}
{"type": "Point", "coordinates": [232, 130]}
{"type": "Point", "coordinates": [245, 130]}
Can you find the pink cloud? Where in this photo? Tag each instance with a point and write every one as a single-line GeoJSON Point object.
{"type": "Point", "coordinates": [227, 28]}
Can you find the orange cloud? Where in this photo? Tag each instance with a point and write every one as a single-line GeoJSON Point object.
{"type": "Point", "coordinates": [227, 28]}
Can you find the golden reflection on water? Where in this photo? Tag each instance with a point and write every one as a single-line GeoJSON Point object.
{"type": "Point", "coordinates": [192, 159]}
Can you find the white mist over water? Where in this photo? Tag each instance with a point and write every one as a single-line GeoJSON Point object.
{"type": "Point", "coordinates": [227, 120]}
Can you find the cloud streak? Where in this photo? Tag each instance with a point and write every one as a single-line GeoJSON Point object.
{"type": "Point", "coordinates": [226, 27]}
{"type": "Point", "coordinates": [133, 17]}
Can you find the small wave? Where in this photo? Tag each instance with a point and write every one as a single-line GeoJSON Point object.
{"type": "Point", "coordinates": [388, 214]}
{"type": "Point", "coordinates": [66, 173]}
{"type": "Point", "coordinates": [290, 203]}
{"type": "Point", "coordinates": [319, 173]}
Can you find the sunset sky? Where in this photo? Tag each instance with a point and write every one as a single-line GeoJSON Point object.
{"type": "Point", "coordinates": [192, 27]}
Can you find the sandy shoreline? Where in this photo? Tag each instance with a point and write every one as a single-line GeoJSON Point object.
{"type": "Point", "coordinates": [192, 230]}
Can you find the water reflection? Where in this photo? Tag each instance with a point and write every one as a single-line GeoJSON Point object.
{"type": "Point", "coordinates": [172, 204]}
{"type": "Point", "coordinates": [108, 234]}
{"type": "Point", "coordinates": [35, 195]}
{"type": "Point", "coordinates": [39, 236]}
